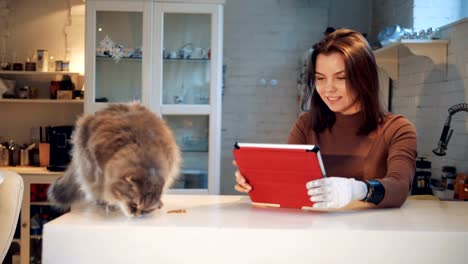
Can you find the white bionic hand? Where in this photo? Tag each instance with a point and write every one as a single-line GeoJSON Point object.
{"type": "Point", "coordinates": [335, 192]}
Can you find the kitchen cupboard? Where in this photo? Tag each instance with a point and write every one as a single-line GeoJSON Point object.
{"type": "Point", "coordinates": [168, 56]}
{"type": "Point", "coordinates": [33, 210]}
{"type": "Point", "coordinates": [19, 116]}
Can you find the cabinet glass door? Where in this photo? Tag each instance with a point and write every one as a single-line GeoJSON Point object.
{"type": "Point", "coordinates": [187, 78]}
{"type": "Point", "coordinates": [191, 134]}
{"type": "Point", "coordinates": [186, 58]}
{"type": "Point", "coordinates": [118, 56]}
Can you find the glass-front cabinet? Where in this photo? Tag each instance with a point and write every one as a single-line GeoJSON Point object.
{"type": "Point", "coordinates": [117, 33]}
{"type": "Point", "coordinates": [167, 55]}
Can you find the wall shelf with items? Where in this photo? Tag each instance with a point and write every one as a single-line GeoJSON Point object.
{"type": "Point", "coordinates": [37, 73]}
{"type": "Point", "coordinates": [388, 56]}
{"type": "Point", "coordinates": [35, 108]}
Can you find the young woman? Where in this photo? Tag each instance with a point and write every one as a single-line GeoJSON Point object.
{"type": "Point", "coordinates": [369, 154]}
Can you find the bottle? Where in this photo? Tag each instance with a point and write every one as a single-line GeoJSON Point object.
{"type": "Point", "coordinates": [14, 153]}
{"type": "Point", "coordinates": [4, 156]}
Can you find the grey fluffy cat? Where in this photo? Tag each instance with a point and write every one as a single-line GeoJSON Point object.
{"type": "Point", "coordinates": [123, 156]}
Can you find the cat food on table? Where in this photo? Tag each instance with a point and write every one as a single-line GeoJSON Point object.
{"type": "Point", "coordinates": [177, 211]}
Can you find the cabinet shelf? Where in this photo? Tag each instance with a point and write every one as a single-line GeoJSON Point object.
{"type": "Point", "coordinates": [41, 101]}
{"type": "Point", "coordinates": [189, 59]}
{"type": "Point", "coordinates": [388, 56]}
{"type": "Point", "coordinates": [107, 58]}
{"type": "Point", "coordinates": [187, 109]}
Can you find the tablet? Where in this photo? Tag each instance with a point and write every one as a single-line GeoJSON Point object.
{"type": "Point", "coordinates": [278, 173]}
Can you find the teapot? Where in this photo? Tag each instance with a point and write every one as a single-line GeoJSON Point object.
{"type": "Point", "coordinates": [185, 51]}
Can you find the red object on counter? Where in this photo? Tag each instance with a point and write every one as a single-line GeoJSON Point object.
{"type": "Point", "coordinates": [461, 187]}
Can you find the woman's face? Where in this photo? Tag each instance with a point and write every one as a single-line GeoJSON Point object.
{"type": "Point", "coordinates": [330, 82]}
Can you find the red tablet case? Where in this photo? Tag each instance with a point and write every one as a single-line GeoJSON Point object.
{"type": "Point", "coordinates": [279, 175]}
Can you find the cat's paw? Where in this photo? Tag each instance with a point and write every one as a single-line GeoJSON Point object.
{"type": "Point", "coordinates": [112, 208]}
{"type": "Point", "coordinates": [108, 207]}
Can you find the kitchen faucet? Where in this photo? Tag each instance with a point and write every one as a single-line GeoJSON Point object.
{"type": "Point", "coordinates": [447, 132]}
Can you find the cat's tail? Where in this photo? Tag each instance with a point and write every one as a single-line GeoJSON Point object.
{"type": "Point", "coordinates": [65, 191]}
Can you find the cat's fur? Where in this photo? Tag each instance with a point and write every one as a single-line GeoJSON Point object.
{"type": "Point", "coordinates": [123, 156]}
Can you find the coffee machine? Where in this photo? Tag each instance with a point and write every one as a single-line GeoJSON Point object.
{"type": "Point", "coordinates": [60, 147]}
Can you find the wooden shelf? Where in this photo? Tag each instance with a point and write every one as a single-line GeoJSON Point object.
{"type": "Point", "coordinates": [37, 73]}
{"type": "Point", "coordinates": [388, 56]}
{"type": "Point", "coordinates": [41, 101]}
{"type": "Point", "coordinates": [32, 170]}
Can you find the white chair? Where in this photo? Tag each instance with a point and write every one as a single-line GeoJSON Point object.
{"type": "Point", "coordinates": [11, 196]}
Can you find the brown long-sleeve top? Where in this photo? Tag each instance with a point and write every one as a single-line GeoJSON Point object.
{"type": "Point", "coordinates": [387, 154]}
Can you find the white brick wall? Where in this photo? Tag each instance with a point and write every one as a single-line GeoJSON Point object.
{"type": "Point", "coordinates": [424, 94]}
{"type": "Point", "coordinates": [267, 38]}
{"type": "Point", "coordinates": [435, 13]}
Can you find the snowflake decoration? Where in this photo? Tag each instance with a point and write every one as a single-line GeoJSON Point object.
{"type": "Point", "coordinates": [117, 52]}
{"type": "Point", "coordinates": [106, 43]}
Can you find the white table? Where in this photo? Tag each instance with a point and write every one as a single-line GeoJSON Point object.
{"type": "Point", "coordinates": [227, 229]}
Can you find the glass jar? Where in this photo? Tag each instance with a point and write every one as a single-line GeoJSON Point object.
{"type": "Point", "coordinates": [422, 177]}
{"type": "Point", "coordinates": [448, 176]}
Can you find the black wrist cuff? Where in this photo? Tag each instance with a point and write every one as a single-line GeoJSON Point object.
{"type": "Point", "coordinates": [375, 192]}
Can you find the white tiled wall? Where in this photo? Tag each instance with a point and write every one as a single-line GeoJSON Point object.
{"type": "Point", "coordinates": [436, 13]}
{"type": "Point", "coordinates": [385, 13]}
{"type": "Point", "coordinates": [267, 39]}
{"type": "Point", "coordinates": [424, 94]}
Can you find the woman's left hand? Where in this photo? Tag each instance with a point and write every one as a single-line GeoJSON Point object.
{"type": "Point", "coordinates": [335, 192]}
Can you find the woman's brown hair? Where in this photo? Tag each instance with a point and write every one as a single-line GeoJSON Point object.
{"type": "Point", "coordinates": [361, 79]}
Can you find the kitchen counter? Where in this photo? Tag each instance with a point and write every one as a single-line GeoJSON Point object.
{"type": "Point", "coordinates": [228, 229]}
{"type": "Point", "coordinates": [32, 170]}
